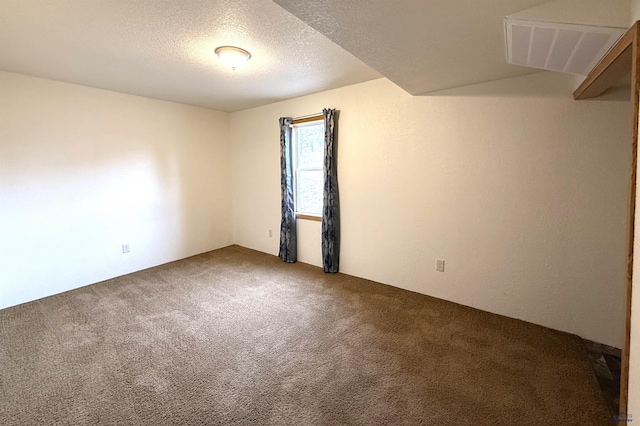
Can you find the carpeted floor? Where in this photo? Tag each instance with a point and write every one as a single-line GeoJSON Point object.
{"type": "Point", "coordinates": [235, 336]}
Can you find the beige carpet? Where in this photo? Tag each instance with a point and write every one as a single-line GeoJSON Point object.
{"type": "Point", "coordinates": [237, 337]}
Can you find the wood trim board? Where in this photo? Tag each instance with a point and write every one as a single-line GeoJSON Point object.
{"type": "Point", "coordinates": [635, 99]}
{"type": "Point", "coordinates": [611, 68]}
{"type": "Point", "coordinates": [308, 217]}
{"type": "Point", "coordinates": [308, 119]}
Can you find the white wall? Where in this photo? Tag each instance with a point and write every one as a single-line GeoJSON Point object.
{"type": "Point", "coordinates": [522, 190]}
{"type": "Point", "coordinates": [635, 12]}
{"type": "Point", "coordinates": [84, 170]}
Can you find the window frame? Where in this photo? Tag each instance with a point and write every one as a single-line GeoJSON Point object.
{"type": "Point", "coordinates": [296, 124]}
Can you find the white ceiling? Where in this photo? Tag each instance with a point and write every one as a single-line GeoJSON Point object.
{"type": "Point", "coordinates": [164, 49]}
{"type": "Point", "coordinates": [426, 45]}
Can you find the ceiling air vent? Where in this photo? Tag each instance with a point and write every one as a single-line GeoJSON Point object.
{"type": "Point", "coordinates": [557, 46]}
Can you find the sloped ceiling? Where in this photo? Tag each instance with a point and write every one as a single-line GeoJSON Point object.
{"type": "Point", "coordinates": [609, 13]}
{"type": "Point", "coordinates": [430, 45]}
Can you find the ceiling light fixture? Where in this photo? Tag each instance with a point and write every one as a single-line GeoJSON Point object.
{"type": "Point", "coordinates": [233, 57]}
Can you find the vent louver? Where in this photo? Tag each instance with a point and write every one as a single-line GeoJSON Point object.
{"type": "Point", "coordinates": [554, 46]}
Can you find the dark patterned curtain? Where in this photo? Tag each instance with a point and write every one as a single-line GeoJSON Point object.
{"type": "Point", "coordinates": [288, 250]}
{"type": "Point", "coordinates": [331, 202]}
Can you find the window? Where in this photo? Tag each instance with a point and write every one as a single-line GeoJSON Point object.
{"type": "Point", "coordinates": [308, 161]}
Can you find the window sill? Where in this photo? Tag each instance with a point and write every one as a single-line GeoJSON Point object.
{"type": "Point", "coordinates": [308, 217]}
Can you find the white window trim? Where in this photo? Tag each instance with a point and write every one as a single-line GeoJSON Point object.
{"type": "Point", "coordinates": [297, 169]}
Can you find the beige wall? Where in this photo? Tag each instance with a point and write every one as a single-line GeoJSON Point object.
{"type": "Point", "coordinates": [84, 170]}
{"type": "Point", "coordinates": [522, 191]}
{"type": "Point", "coordinates": [635, 11]}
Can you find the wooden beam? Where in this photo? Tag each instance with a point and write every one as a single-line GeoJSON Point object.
{"type": "Point", "coordinates": [611, 68]}
{"type": "Point", "coordinates": [635, 100]}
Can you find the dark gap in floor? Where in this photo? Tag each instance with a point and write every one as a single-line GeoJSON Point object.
{"type": "Point", "coordinates": [606, 364]}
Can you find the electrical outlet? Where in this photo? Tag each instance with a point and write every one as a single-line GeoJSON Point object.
{"type": "Point", "coordinates": [440, 265]}
{"type": "Point", "coordinates": [126, 248]}
{"type": "Point", "coordinates": [270, 232]}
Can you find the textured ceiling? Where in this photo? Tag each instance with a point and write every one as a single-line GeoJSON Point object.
{"type": "Point", "coordinates": [164, 49]}
{"type": "Point", "coordinates": [422, 45]}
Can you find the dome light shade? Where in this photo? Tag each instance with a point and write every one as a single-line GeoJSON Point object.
{"type": "Point", "coordinates": [233, 57]}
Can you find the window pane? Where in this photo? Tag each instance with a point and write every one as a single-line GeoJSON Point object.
{"type": "Point", "coordinates": [311, 146]}
{"type": "Point", "coordinates": [310, 191]}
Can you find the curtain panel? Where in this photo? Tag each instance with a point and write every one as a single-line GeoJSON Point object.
{"type": "Point", "coordinates": [288, 244]}
{"type": "Point", "coordinates": [331, 202]}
